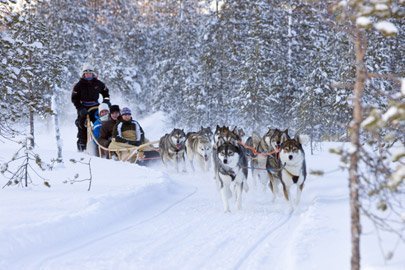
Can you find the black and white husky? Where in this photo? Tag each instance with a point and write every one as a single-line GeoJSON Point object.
{"type": "Point", "coordinates": [199, 148]}
{"type": "Point", "coordinates": [172, 148]}
{"type": "Point", "coordinates": [294, 171]}
{"type": "Point", "coordinates": [231, 170]}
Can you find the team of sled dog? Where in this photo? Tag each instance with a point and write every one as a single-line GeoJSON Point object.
{"type": "Point", "coordinates": [274, 159]}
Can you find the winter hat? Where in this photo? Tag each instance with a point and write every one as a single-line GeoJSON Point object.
{"type": "Point", "coordinates": [125, 111]}
{"type": "Point", "coordinates": [103, 107]}
{"type": "Point", "coordinates": [87, 68]}
{"type": "Point", "coordinates": [114, 108]}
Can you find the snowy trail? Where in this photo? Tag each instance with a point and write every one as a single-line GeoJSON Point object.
{"type": "Point", "coordinates": [188, 226]}
{"type": "Point", "coordinates": [89, 242]}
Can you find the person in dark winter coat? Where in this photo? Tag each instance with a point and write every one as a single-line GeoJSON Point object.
{"type": "Point", "coordinates": [127, 133]}
{"type": "Point", "coordinates": [85, 96]}
{"type": "Point", "coordinates": [108, 126]}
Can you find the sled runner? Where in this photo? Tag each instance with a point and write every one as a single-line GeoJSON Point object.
{"type": "Point", "coordinates": [144, 154]}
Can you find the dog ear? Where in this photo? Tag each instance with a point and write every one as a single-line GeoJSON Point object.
{"type": "Point", "coordinates": [297, 138]}
{"type": "Point", "coordinates": [286, 131]}
{"type": "Point", "coordinates": [241, 132]}
{"type": "Point", "coordinates": [284, 137]}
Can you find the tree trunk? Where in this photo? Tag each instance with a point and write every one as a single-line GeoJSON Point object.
{"type": "Point", "coordinates": [354, 180]}
{"type": "Point", "coordinates": [57, 126]}
{"type": "Point", "coordinates": [312, 143]}
{"type": "Point", "coordinates": [31, 109]}
{"type": "Point", "coordinates": [26, 169]}
{"type": "Point", "coordinates": [32, 141]}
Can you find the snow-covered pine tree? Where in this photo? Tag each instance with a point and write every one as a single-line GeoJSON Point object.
{"type": "Point", "coordinates": [189, 48]}
{"type": "Point", "coordinates": [319, 53]}
{"type": "Point", "coordinates": [212, 62]}
{"type": "Point", "coordinates": [159, 18]}
{"type": "Point", "coordinates": [9, 100]}
{"type": "Point", "coordinates": [30, 82]}
{"type": "Point", "coordinates": [253, 84]}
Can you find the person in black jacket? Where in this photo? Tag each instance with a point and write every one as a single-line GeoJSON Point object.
{"type": "Point", "coordinates": [85, 96]}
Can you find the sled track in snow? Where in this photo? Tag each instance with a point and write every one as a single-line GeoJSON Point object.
{"type": "Point", "coordinates": [41, 264]}
{"type": "Point", "coordinates": [271, 231]}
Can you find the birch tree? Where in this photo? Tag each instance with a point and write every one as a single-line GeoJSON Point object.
{"type": "Point", "coordinates": [363, 15]}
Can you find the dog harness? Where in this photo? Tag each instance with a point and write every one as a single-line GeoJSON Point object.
{"type": "Point", "coordinates": [294, 177]}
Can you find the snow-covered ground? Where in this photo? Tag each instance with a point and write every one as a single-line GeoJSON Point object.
{"type": "Point", "coordinates": [153, 218]}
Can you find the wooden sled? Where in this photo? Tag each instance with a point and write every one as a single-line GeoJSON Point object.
{"type": "Point", "coordinates": [144, 154]}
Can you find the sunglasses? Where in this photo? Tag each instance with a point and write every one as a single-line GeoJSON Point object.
{"type": "Point", "coordinates": [88, 71]}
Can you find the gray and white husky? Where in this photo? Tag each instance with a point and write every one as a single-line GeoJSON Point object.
{"type": "Point", "coordinates": [266, 165]}
{"type": "Point", "coordinates": [199, 148]}
{"type": "Point", "coordinates": [172, 148]}
{"type": "Point", "coordinates": [231, 171]}
{"type": "Point", "coordinates": [294, 171]}
{"type": "Point", "coordinates": [221, 135]}
{"type": "Point", "coordinates": [207, 132]}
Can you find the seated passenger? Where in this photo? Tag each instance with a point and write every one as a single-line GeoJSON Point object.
{"type": "Point", "coordinates": [103, 111]}
{"type": "Point", "coordinates": [108, 126]}
{"type": "Point", "coordinates": [126, 134]}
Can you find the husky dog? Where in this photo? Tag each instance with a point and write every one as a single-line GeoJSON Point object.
{"type": "Point", "coordinates": [207, 132]}
{"type": "Point", "coordinates": [220, 132]}
{"type": "Point", "coordinates": [232, 168]}
{"type": "Point", "coordinates": [172, 148]}
{"type": "Point", "coordinates": [252, 142]}
{"type": "Point", "coordinates": [294, 171]}
{"type": "Point", "coordinates": [199, 148]}
{"type": "Point", "coordinates": [266, 166]}
{"type": "Point", "coordinates": [240, 132]}
{"type": "Point", "coordinates": [221, 135]}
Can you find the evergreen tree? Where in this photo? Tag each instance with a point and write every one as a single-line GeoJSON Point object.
{"type": "Point", "coordinates": [9, 100]}
{"type": "Point", "coordinates": [29, 84]}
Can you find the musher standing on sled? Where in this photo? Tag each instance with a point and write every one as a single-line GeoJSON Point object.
{"type": "Point", "coordinates": [85, 96]}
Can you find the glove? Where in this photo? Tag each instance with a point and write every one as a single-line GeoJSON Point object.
{"type": "Point", "coordinates": [107, 101]}
{"type": "Point", "coordinates": [82, 112]}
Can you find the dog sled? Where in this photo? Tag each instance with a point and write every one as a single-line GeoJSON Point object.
{"type": "Point", "coordinates": [144, 154]}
